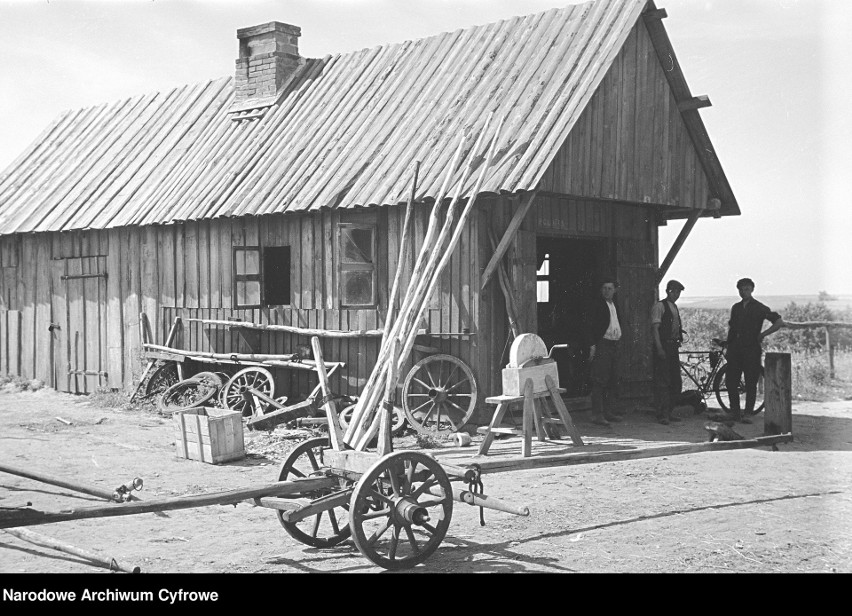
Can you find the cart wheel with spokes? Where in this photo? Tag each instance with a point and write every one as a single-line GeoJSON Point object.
{"type": "Point", "coordinates": [187, 394]}
{"type": "Point", "coordinates": [161, 379]}
{"type": "Point", "coordinates": [439, 394]}
{"type": "Point", "coordinates": [231, 395]}
{"type": "Point", "coordinates": [324, 529]}
{"type": "Point", "coordinates": [214, 379]}
{"type": "Point", "coordinates": [401, 509]}
{"type": "Point", "coordinates": [398, 420]}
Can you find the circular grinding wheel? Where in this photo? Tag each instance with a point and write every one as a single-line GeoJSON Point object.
{"type": "Point", "coordinates": [524, 348]}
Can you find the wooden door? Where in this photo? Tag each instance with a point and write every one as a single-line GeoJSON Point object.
{"type": "Point", "coordinates": [78, 325]}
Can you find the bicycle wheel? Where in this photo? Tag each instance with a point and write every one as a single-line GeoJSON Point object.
{"type": "Point", "coordinates": [720, 388]}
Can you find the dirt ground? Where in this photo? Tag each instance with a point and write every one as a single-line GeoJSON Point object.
{"type": "Point", "coordinates": [750, 510]}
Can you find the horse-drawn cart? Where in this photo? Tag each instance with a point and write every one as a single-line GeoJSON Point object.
{"type": "Point", "coordinates": [397, 507]}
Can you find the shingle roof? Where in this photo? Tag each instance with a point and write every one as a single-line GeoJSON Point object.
{"type": "Point", "coordinates": [344, 133]}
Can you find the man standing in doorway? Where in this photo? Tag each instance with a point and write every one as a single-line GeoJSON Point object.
{"type": "Point", "coordinates": [744, 347]}
{"type": "Point", "coordinates": [667, 334]}
{"type": "Point", "coordinates": [604, 326]}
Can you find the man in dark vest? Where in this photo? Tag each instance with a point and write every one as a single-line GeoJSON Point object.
{"type": "Point", "coordinates": [744, 346]}
{"type": "Point", "coordinates": [667, 335]}
{"type": "Point", "coordinates": [604, 328]}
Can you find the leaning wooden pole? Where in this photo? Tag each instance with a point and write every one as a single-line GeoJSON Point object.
{"type": "Point", "coordinates": [420, 279]}
{"type": "Point", "coordinates": [403, 247]}
{"type": "Point", "coordinates": [38, 539]}
{"type": "Point", "coordinates": [407, 329]}
{"type": "Point", "coordinates": [360, 407]}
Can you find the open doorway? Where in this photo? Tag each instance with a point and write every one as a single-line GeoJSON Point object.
{"type": "Point", "coordinates": [567, 279]}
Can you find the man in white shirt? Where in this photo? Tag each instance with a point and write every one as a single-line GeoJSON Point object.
{"type": "Point", "coordinates": [604, 325]}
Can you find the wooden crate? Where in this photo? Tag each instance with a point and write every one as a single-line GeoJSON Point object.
{"type": "Point", "coordinates": [209, 434]}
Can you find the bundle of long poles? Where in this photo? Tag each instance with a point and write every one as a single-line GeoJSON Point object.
{"type": "Point", "coordinates": [433, 258]}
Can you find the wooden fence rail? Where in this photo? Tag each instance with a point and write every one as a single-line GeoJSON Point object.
{"type": "Point", "coordinates": [829, 343]}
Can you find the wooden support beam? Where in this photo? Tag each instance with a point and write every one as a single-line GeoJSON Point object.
{"type": "Point", "coordinates": [678, 244]}
{"type": "Point", "coordinates": [655, 14]}
{"type": "Point", "coordinates": [503, 246]}
{"type": "Point", "coordinates": [696, 102]}
{"type": "Point", "coordinates": [506, 287]}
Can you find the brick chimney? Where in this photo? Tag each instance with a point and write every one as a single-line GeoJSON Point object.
{"type": "Point", "coordinates": [269, 55]}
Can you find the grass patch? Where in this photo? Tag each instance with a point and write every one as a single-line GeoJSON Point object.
{"type": "Point", "coordinates": [812, 376]}
{"type": "Point", "coordinates": [10, 384]}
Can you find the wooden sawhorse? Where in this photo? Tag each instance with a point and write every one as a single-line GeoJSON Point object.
{"type": "Point", "coordinates": [536, 412]}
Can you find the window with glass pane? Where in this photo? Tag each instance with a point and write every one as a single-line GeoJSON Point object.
{"type": "Point", "coordinates": [357, 265]}
{"type": "Point", "coordinates": [247, 276]}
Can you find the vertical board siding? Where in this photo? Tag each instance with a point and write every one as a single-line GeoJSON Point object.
{"type": "Point", "coordinates": [185, 270]}
{"type": "Point", "coordinates": [631, 143]}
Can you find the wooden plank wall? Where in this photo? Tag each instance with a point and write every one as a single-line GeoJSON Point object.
{"type": "Point", "coordinates": [630, 143]}
{"type": "Point", "coordinates": [186, 270]}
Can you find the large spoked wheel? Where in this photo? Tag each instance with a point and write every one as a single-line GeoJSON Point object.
{"type": "Point", "coordinates": [161, 379]}
{"type": "Point", "coordinates": [188, 394]}
{"type": "Point", "coordinates": [329, 527]}
{"type": "Point", "coordinates": [398, 420]}
{"type": "Point", "coordinates": [720, 387]}
{"type": "Point", "coordinates": [231, 395]}
{"type": "Point", "coordinates": [439, 394]}
{"type": "Point", "coordinates": [401, 509]}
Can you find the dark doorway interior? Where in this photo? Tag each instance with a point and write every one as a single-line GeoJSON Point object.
{"type": "Point", "coordinates": [568, 275]}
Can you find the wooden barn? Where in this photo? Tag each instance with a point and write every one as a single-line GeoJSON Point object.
{"type": "Point", "coordinates": [277, 197]}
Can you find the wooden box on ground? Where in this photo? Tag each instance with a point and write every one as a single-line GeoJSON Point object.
{"type": "Point", "coordinates": [209, 434]}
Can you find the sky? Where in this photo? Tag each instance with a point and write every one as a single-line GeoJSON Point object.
{"type": "Point", "coordinates": [776, 71]}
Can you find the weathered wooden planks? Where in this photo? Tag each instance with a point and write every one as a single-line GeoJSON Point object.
{"type": "Point", "coordinates": [631, 142]}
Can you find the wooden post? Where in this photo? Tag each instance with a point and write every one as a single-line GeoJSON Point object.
{"type": "Point", "coordinates": [779, 396]}
{"type": "Point", "coordinates": [830, 348]}
{"type": "Point", "coordinates": [529, 411]}
{"type": "Point", "coordinates": [335, 434]}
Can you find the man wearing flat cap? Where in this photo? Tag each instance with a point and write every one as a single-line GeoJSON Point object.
{"type": "Point", "coordinates": [744, 346]}
{"type": "Point", "coordinates": [667, 335]}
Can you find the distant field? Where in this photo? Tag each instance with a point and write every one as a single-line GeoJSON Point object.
{"type": "Point", "coordinates": [776, 302]}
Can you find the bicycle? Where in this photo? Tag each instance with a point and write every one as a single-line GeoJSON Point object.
{"type": "Point", "coordinates": [707, 370]}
